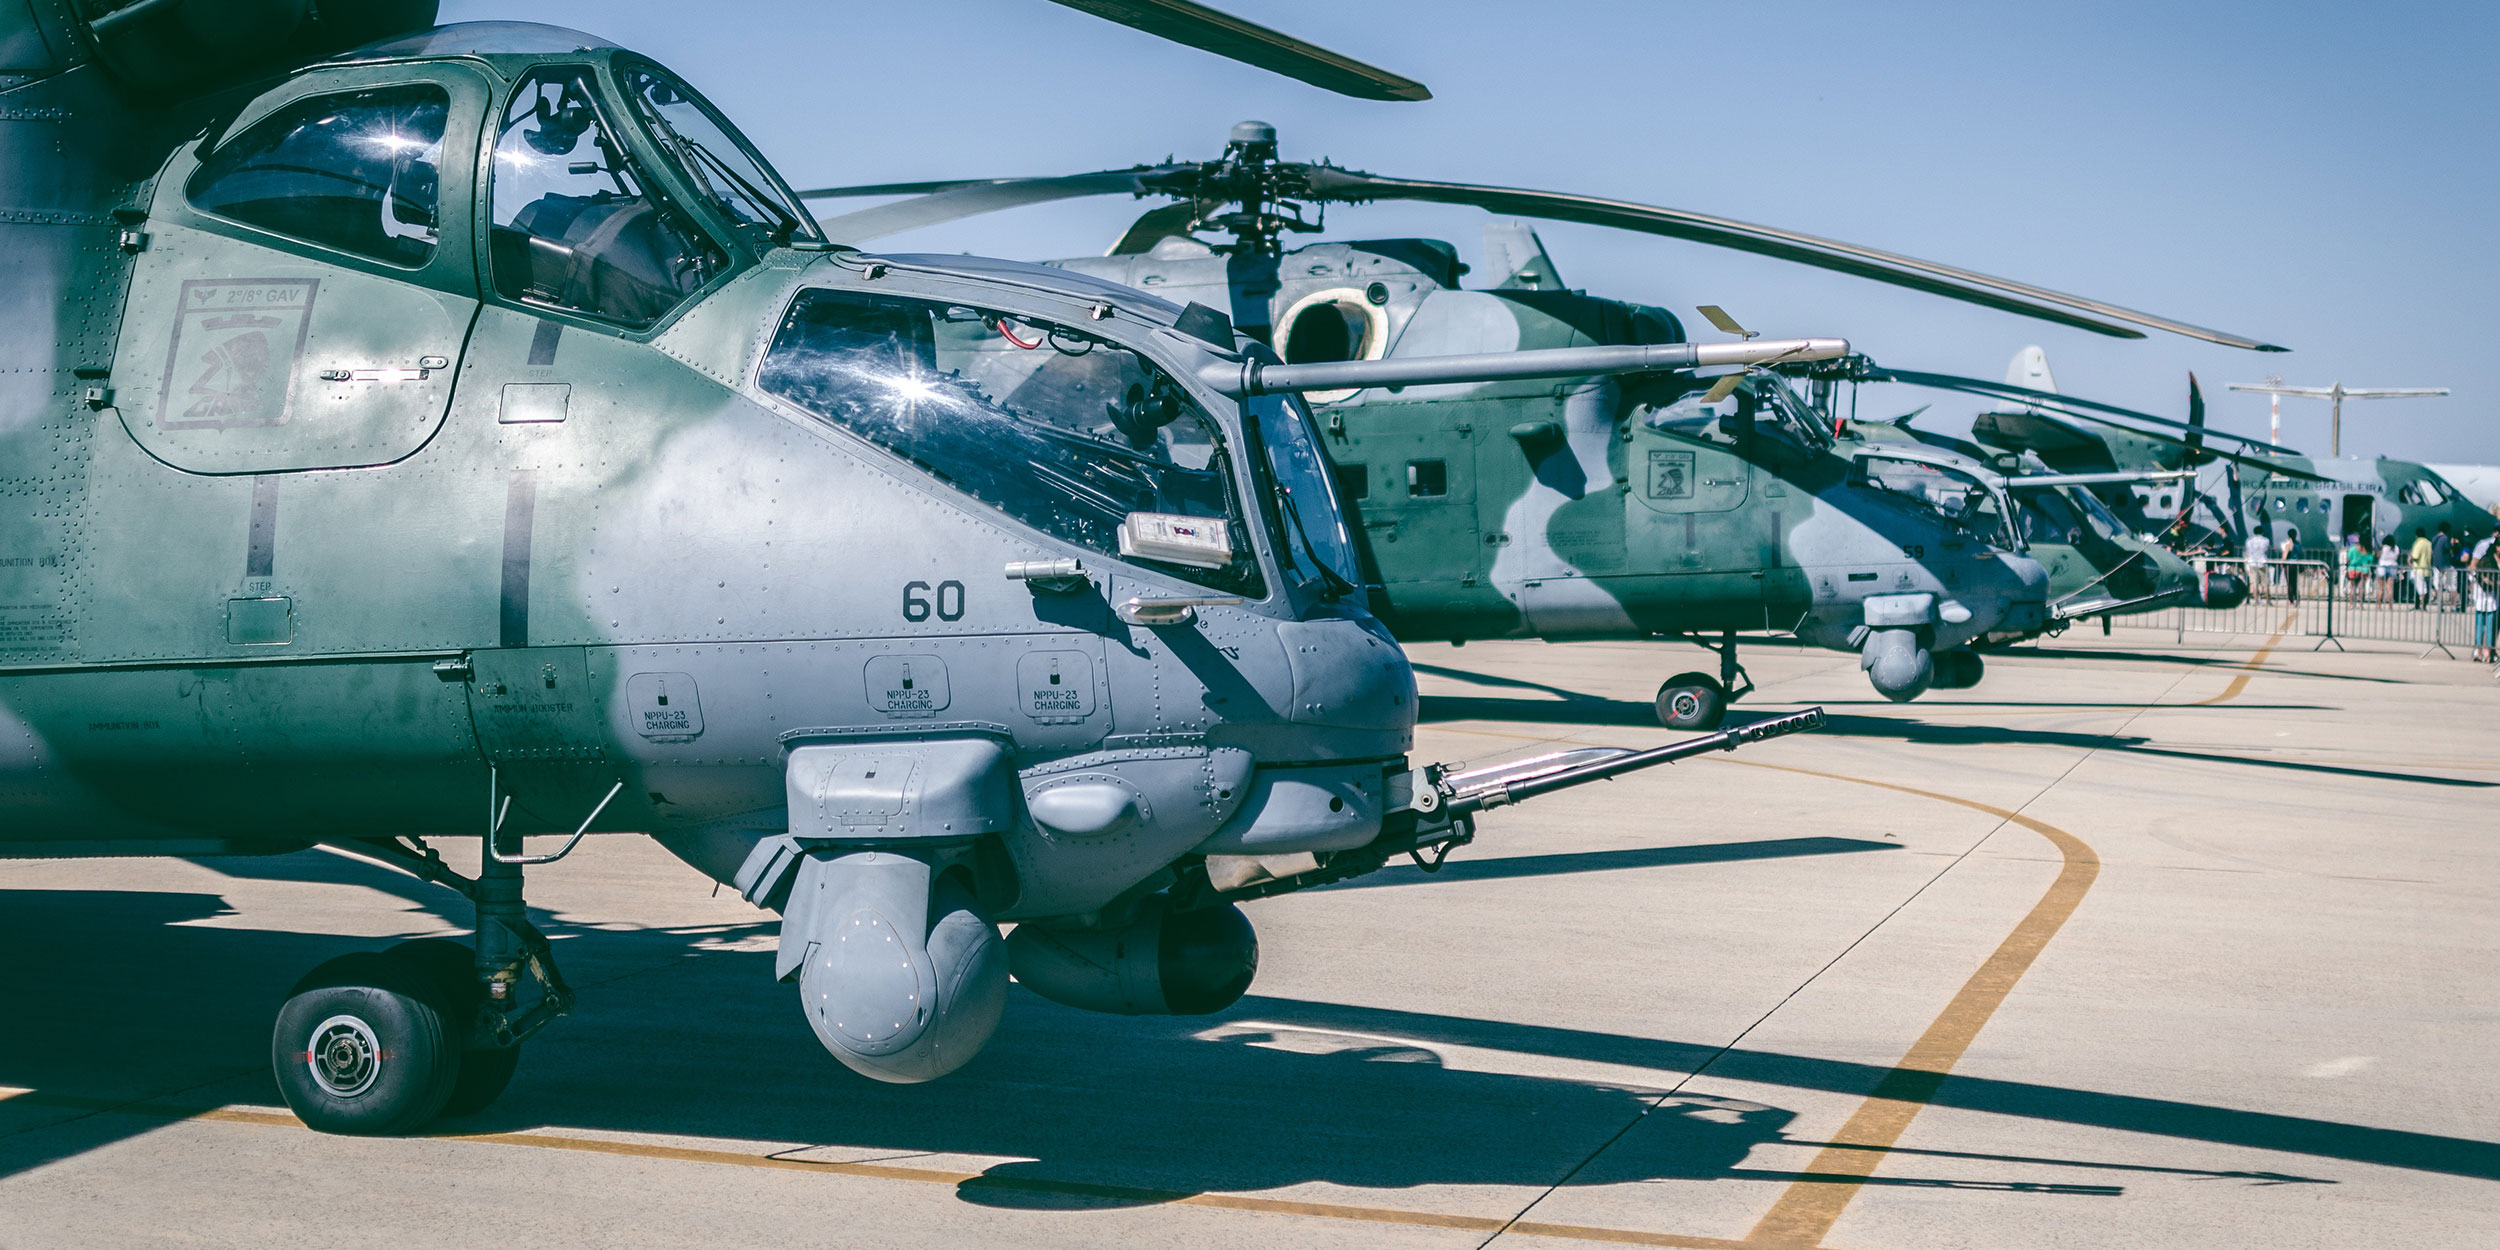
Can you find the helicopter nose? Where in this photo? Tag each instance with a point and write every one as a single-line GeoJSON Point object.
{"type": "Point", "coordinates": [1348, 674]}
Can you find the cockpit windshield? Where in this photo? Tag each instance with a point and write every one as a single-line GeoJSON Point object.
{"type": "Point", "coordinates": [2064, 516]}
{"type": "Point", "coordinates": [714, 158]}
{"type": "Point", "coordinates": [1793, 416]}
{"type": "Point", "coordinates": [1306, 494]}
{"type": "Point", "coordinates": [1767, 400]}
{"type": "Point", "coordinates": [1071, 433]}
{"type": "Point", "coordinates": [2097, 513]}
{"type": "Point", "coordinates": [1949, 496]}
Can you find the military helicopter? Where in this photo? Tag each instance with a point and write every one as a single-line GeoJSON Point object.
{"type": "Point", "coordinates": [2097, 566]}
{"type": "Point", "coordinates": [1597, 510]}
{"type": "Point", "coordinates": [416, 432]}
{"type": "Point", "coordinates": [2255, 484]}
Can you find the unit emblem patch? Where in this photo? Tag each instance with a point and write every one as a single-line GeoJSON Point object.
{"type": "Point", "coordinates": [236, 344]}
{"type": "Point", "coordinates": [1670, 475]}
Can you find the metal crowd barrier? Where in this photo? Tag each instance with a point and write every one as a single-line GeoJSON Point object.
{"type": "Point", "coordinates": [2309, 598]}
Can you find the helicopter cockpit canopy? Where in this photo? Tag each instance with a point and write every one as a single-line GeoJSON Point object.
{"type": "Point", "coordinates": [1064, 430]}
{"type": "Point", "coordinates": [714, 157]}
{"type": "Point", "coordinates": [1765, 402]}
{"type": "Point", "coordinates": [360, 172]}
{"type": "Point", "coordinates": [576, 224]}
{"type": "Point", "coordinates": [1950, 496]}
{"type": "Point", "coordinates": [2065, 516]}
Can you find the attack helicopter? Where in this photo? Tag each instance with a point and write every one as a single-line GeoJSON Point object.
{"type": "Point", "coordinates": [461, 432]}
{"type": "Point", "coordinates": [2249, 485]}
{"type": "Point", "coordinates": [1591, 509]}
{"type": "Point", "coordinates": [2097, 567]}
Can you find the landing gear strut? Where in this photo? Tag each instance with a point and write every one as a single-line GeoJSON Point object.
{"type": "Point", "coordinates": [1699, 701]}
{"type": "Point", "coordinates": [382, 1043]}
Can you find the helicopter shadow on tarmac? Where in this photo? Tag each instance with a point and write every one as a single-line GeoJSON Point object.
{"type": "Point", "coordinates": [1594, 711]}
{"type": "Point", "coordinates": [685, 1034]}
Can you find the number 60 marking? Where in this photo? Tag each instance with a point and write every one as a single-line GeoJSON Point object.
{"type": "Point", "coordinates": [917, 603]}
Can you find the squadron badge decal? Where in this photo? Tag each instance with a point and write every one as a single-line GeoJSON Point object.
{"type": "Point", "coordinates": [235, 347]}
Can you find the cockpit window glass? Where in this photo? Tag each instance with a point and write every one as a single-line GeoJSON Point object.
{"type": "Point", "coordinates": [2421, 491]}
{"type": "Point", "coordinates": [1775, 409]}
{"type": "Point", "coordinates": [357, 171]}
{"type": "Point", "coordinates": [715, 158]}
{"type": "Point", "coordinates": [1791, 415]}
{"type": "Point", "coordinates": [1065, 431]}
{"type": "Point", "coordinates": [2064, 516]}
{"type": "Point", "coordinates": [1949, 496]}
{"type": "Point", "coordinates": [1306, 495]}
{"type": "Point", "coordinates": [575, 226]}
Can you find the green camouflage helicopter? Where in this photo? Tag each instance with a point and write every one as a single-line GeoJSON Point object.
{"type": "Point", "coordinates": [2098, 567]}
{"type": "Point", "coordinates": [1590, 508]}
{"type": "Point", "coordinates": [2251, 486]}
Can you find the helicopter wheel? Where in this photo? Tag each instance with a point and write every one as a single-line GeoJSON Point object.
{"type": "Point", "coordinates": [360, 1047]}
{"type": "Point", "coordinates": [450, 972]}
{"type": "Point", "coordinates": [1692, 701]}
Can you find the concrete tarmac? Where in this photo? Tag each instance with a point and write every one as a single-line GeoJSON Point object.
{"type": "Point", "coordinates": [2133, 944]}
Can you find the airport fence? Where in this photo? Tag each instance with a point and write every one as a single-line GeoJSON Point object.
{"type": "Point", "coordinates": [2320, 599]}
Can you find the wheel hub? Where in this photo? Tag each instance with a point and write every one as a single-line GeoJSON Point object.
{"type": "Point", "coordinates": [1684, 703]}
{"type": "Point", "coordinates": [345, 1056]}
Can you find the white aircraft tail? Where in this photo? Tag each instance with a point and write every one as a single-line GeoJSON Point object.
{"type": "Point", "coordinates": [2031, 369]}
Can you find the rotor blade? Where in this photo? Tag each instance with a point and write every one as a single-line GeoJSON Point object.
{"type": "Point", "coordinates": [1723, 388]}
{"type": "Point", "coordinates": [1329, 182]}
{"type": "Point", "coordinates": [971, 199]}
{"type": "Point", "coordinates": [2313, 392]}
{"type": "Point", "coordinates": [2069, 403]}
{"type": "Point", "coordinates": [2085, 410]}
{"type": "Point", "coordinates": [2196, 421]}
{"type": "Point", "coordinates": [901, 188]}
{"type": "Point", "coordinates": [2254, 462]}
{"type": "Point", "coordinates": [2396, 392]}
{"type": "Point", "coordinates": [1252, 44]}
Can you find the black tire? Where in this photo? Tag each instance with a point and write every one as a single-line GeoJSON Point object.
{"type": "Point", "coordinates": [1692, 701]}
{"type": "Point", "coordinates": [360, 1048]}
{"type": "Point", "coordinates": [450, 970]}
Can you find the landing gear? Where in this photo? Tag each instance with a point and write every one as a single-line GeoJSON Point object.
{"type": "Point", "coordinates": [383, 1043]}
{"type": "Point", "coordinates": [1692, 701]}
{"type": "Point", "coordinates": [450, 972]}
{"type": "Point", "coordinates": [1699, 701]}
{"type": "Point", "coordinates": [359, 1048]}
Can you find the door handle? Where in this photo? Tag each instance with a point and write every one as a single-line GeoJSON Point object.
{"type": "Point", "coordinates": [426, 365]}
{"type": "Point", "coordinates": [1152, 612]}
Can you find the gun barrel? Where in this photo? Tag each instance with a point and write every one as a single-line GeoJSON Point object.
{"type": "Point", "coordinates": [1252, 377]}
{"type": "Point", "coordinates": [1724, 740]}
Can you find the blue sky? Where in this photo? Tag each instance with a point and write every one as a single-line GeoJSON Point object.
{"type": "Point", "coordinates": [2319, 176]}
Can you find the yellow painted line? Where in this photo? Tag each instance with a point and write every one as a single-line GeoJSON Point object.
{"type": "Point", "coordinates": [2255, 662]}
{"type": "Point", "coordinates": [1809, 1208]}
{"type": "Point", "coordinates": [1127, 1194]}
{"type": "Point", "coordinates": [1801, 1217]}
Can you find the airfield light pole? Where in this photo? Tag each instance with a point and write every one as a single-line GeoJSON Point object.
{"type": "Point", "coordinates": [2335, 393]}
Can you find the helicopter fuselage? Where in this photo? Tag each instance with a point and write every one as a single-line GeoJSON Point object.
{"type": "Point", "coordinates": [374, 482]}
{"type": "Point", "coordinates": [1592, 508]}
